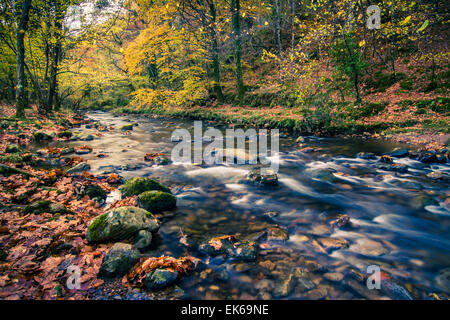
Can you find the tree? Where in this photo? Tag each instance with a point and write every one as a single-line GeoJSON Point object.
{"type": "Point", "coordinates": [21, 82]}
{"type": "Point", "coordinates": [236, 22]}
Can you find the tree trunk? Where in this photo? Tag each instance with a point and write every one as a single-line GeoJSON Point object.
{"type": "Point", "coordinates": [21, 82]}
{"type": "Point", "coordinates": [55, 57]}
{"type": "Point", "coordinates": [235, 10]}
{"type": "Point", "coordinates": [215, 53]}
{"type": "Point", "coordinates": [276, 24]}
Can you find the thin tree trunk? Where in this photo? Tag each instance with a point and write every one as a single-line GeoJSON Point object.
{"type": "Point", "coordinates": [215, 53]}
{"type": "Point", "coordinates": [55, 56]}
{"type": "Point", "coordinates": [275, 4]}
{"type": "Point", "coordinates": [235, 10]}
{"type": "Point", "coordinates": [21, 82]}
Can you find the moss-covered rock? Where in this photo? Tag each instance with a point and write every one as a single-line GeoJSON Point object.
{"type": "Point", "coordinates": [83, 166]}
{"type": "Point", "coordinates": [160, 278]}
{"type": "Point", "coordinates": [46, 206]}
{"type": "Point", "coordinates": [94, 192]}
{"type": "Point", "coordinates": [43, 135]}
{"type": "Point", "coordinates": [127, 127]}
{"type": "Point", "coordinates": [119, 259]}
{"type": "Point", "coordinates": [13, 148]}
{"type": "Point", "coordinates": [12, 158]}
{"type": "Point", "coordinates": [64, 134]}
{"type": "Point", "coordinates": [143, 239]}
{"type": "Point", "coordinates": [120, 224]}
{"type": "Point", "coordinates": [136, 186]}
{"type": "Point", "coordinates": [156, 201]}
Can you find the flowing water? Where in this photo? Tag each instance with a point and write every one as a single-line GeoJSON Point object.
{"type": "Point", "coordinates": [399, 221]}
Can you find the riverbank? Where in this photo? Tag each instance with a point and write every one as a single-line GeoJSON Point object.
{"type": "Point", "coordinates": [424, 123]}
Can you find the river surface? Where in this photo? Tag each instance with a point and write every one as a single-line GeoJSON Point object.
{"type": "Point", "coordinates": [399, 221]}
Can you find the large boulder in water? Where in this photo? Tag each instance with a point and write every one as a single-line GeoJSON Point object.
{"type": "Point", "coordinates": [156, 201]}
{"type": "Point", "coordinates": [120, 224]}
{"type": "Point", "coordinates": [119, 259]}
{"type": "Point", "coordinates": [136, 186]}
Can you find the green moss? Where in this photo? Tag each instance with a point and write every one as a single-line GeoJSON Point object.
{"type": "Point", "coordinates": [94, 191]}
{"type": "Point", "coordinates": [156, 201]}
{"type": "Point", "coordinates": [13, 148]}
{"type": "Point", "coordinates": [137, 185]}
{"type": "Point", "coordinates": [64, 134]}
{"type": "Point", "coordinates": [13, 158]}
{"type": "Point", "coordinates": [48, 206]}
{"type": "Point", "coordinates": [96, 226]}
{"type": "Point", "coordinates": [127, 127]}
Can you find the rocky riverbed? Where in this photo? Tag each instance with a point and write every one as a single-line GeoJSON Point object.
{"type": "Point", "coordinates": [309, 231]}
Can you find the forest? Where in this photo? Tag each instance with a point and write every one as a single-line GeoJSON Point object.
{"type": "Point", "coordinates": [93, 207]}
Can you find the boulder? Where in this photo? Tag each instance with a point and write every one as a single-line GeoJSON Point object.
{"type": "Point", "coordinates": [156, 201]}
{"type": "Point", "coordinates": [160, 278]}
{"type": "Point", "coordinates": [119, 260]}
{"type": "Point", "coordinates": [120, 224]}
{"type": "Point", "coordinates": [136, 186]}
{"type": "Point", "coordinates": [127, 127]}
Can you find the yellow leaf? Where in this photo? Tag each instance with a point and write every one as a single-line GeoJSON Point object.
{"type": "Point", "coordinates": [362, 42]}
{"type": "Point", "coordinates": [266, 23]}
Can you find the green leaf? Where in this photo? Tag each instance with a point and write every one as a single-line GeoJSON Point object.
{"type": "Point", "coordinates": [424, 25]}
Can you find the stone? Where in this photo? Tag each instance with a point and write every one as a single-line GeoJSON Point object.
{"type": "Point", "coordinates": [271, 214]}
{"type": "Point", "coordinates": [279, 234]}
{"type": "Point", "coordinates": [318, 293]}
{"type": "Point", "coordinates": [285, 286]}
{"type": "Point", "coordinates": [369, 247]}
{"type": "Point", "coordinates": [46, 206]}
{"type": "Point", "coordinates": [160, 278]}
{"type": "Point", "coordinates": [120, 224]}
{"type": "Point", "coordinates": [64, 134]}
{"type": "Point", "coordinates": [230, 247]}
{"type": "Point", "coordinates": [341, 221]}
{"type": "Point", "coordinates": [427, 157]}
{"type": "Point", "coordinates": [127, 127]}
{"type": "Point", "coordinates": [443, 279]}
{"type": "Point", "coordinates": [81, 167]}
{"type": "Point", "coordinates": [399, 153]}
{"type": "Point", "coordinates": [331, 244]}
{"type": "Point", "coordinates": [334, 276]}
{"type": "Point", "coordinates": [386, 159]}
{"type": "Point", "coordinates": [136, 186]}
{"type": "Point", "coordinates": [162, 161]}
{"type": "Point", "coordinates": [119, 260]}
{"type": "Point", "coordinates": [43, 135]}
{"type": "Point", "coordinates": [325, 175]}
{"type": "Point", "coordinates": [257, 177]}
{"type": "Point", "coordinates": [435, 175]}
{"type": "Point", "coordinates": [156, 201]}
{"type": "Point", "coordinates": [396, 167]}
{"type": "Point", "coordinates": [13, 148]}
{"type": "Point", "coordinates": [94, 192]}
{"type": "Point", "coordinates": [143, 239]}
{"type": "Point", "coordinates": [366, 155]}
